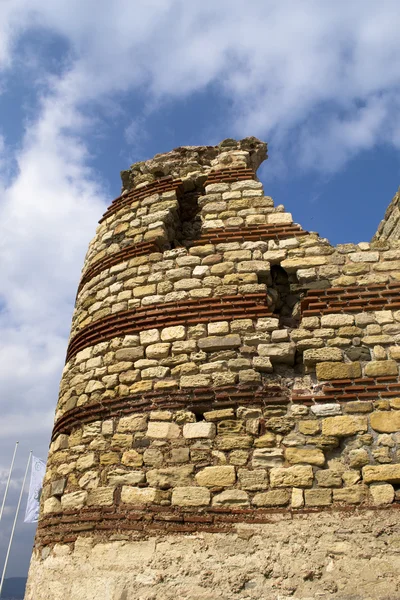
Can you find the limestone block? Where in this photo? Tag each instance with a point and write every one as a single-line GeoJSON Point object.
{"type": "Point", "coordinates": [163, 430]}
{"type": "Point", "coordinates": [218, 328]}
{"type": "Point", "coordinates": [381, 368]}
{"type": "Point", "coordinates": [297, 499]}
{"type": "Point", "coordinates": [61, 442]}
{"type": "Point", "coordinates": [326, 410]}
{"type": "Point", "coordinates": [103, 496]}
{"type": "Point", "coordinates": [202, 429]}
{"type": "Point", "coordinates": [354, 494]}
{"type": "Point", "coordinates": [172, 334]}
{"type": "Point", "coordinates": [216, 476]}
{"type": "Point", "coordinates": [135, 495]}
{"type": "Point", "coordinates": [249, 376]}
{"type": "Point", "coordinates": [231, 498]}
{"type": "Point", "coordinates": [382, 493]}
{"type": "Point", "coordinates": [52, 505]}
{"type": "Point", "coordinates": [336, 320]}
{"type": "Point", "coordinates": [122, 477]}
{"type": "Point", "coordinates": [158, 351]}
{"type": "Point", "coordinates": [190, 496]}
{"type": "Point", "coordinates": [151, 336]}
{"type": "Point", "coordinates": [389, 473]}
{"type": "Point", "coordinates": [153, 457]}
{"type": "Point", "coordinates": [272, 498]}
{"type": "Point", "coordinates": [297, 476]}
{"type": "Point", "coordinates": [109, 458]}
{"type": "Point", "coordinates": [253, 480]}
{"type": "Point", "coordinates": [344, 425]}
{"type": "Point", "coordinates": [309, 427]}
{"type": "Point", "coordinates": [358, 407]}
{"type": "Point", "coordinates": [364, 256]}
{"type": "Point", "coordinates": [263, 364]}
{"type": "Point", "coordinates": [313, 356]}
{"type": "Point", "coordinates": [132, 423]}
{"type": "Point", "coordinates": [267, 457]}
{"type": "Point", "coordinates": [328, 478]}
{"type": "Point", "coordinates": [216, 343]}
{"type": "Point", "coordinates": [267, 324]}
{"type": "Point", "coordinates": [86, 462]}
{"type": "Point", "coordinates": [170, 477]}
{"type": "Point", "coordinates": [191, 381]}
{"type": "Point", "coordinates": [338, 370]}
{"type": "Point", "coordinates": [132, 458]}
{"type": "Point", "coordinates": [268, 440]}
{"type": "Point", "coordinates": [293, 264]}
{"type": "Point", "coordinates": [74, 500]}
{"type": "Point", "coordinates": [312, 456]}
{"type": "Point", "coordinates": [57, 487]}
{"type": "Point", "coordinates": [217, 415]}
{"type": "Point", "coordinates": [155, 372]}
{"type": "Point", "coordinates": [280, 424]}
{"type": "Point", "coordinates": [278, 353]}
{"type": "Point", "coordinates": [358, 458]}
{"type": "Point", "coordinates": [318, 497]}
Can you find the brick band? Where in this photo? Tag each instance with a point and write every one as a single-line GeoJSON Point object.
{"type": "Point", "coordinates": [195, 399]}
{"type": "Point", "coordinates": [188, 312]}
{"type": "Point", "coordinates": [346, 390]}
{"type": "Point", "coordinates": [230, 174]}
{"type": "Point", "coordinates": [144, 522]}
{"type": "Point", "coordinates": [352, 299]}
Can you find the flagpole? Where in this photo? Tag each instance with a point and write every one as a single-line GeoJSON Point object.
{"type": "Point", "coordinates": [8, 480]}
{"type": "Point", "coordinates": [14, 524]}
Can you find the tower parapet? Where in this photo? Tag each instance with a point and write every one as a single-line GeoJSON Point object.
{"type": "Point", "coordinates": [231, 382]}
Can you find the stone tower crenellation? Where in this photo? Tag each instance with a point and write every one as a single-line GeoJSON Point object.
{"type": "Point", "coordinates": [228, 423]}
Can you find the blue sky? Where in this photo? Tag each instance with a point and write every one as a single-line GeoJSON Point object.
{"type": "Point", "coordinates": [87, 88]}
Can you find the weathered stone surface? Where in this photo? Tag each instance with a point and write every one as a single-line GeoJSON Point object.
{"type": "Point", "coordinates": [231, 498]}
{"type": "Point", "coordinates": [199, 430]}
{"type": "Point", "coordinates": [74, 500]}
{"type": "Point", "coordinates": [101, 497]}
{"type": "Point", "coordinates": [382, 493]}
{"type": "Point", "coordinates": [344, 425]}
{"type": "Point", "coordinates": [163, 430]}
{"type": "Point", "coordinates": [253, 480]}
{"type": "Point", "coordinates": [135, 495]}
{"type": "Point", "coordinates": [272, 498]}
{"type": "Point", "coordinates": [52, 505]}
{"type": "Point", "coordinates": [313, 356]}
{"type": "Point", "coordinates": [278, 353]}
{"type": "Point", "coordinates": [305, 456]}
{"type": "Point", "coordinates": [318, 497]}
{"type": "Point", "coordinates": [215, 343]}
{"type": "Point", "coordinates": [266, 457]}
{"type": "Point", "coordinates": [216, 476]}
{"type": "Point", "coordinates": [381, 367]}
{"type": "Point", "coordinates": [389, 473]}
{"type": "Point", "coordinates": [132, 423]}
{"type": "Point", "coordinates": [385, 421]}
{"type": "Point", "coordinates": [191, 496]}
{"type": "Point", "coordinates": [337, 370]}
{"type": "Point", "coordinates": [326, 410]}
{"type": "Point", "coordinates": [308, 427]}
{"type": "Point", "coordinates": [298, 476]}
{"type": "Point", "coordinates": [170, 477]}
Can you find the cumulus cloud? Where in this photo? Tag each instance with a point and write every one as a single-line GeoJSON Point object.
{"type": "Point", "coordinates": [320, 81]}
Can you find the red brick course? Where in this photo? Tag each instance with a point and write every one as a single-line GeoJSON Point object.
{"type": "Point", "coordinates": [352, 299]}
{"type": "Point", "coordinates": [347, 390]}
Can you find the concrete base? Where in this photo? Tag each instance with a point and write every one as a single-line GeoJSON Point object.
{"type": "Point", "coordinates": [346, 556]}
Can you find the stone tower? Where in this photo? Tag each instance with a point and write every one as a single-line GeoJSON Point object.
{"type": "Point", "coordinates": [228, 424]}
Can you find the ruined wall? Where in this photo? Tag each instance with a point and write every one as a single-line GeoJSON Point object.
{"type": "Point", "coordinates": [227, 372]}
{"type": "Point", "coordinates": [389, 227]}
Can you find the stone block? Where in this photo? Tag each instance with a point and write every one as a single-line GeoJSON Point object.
{"type": "Point", "coordinates": [103, 496]}
{"type": "Point", "coordinates": [382, 494]}
{"type": "Point", "coordinates": [309, 427]}
{"type": "Point", "coordinates": [172, 334]}
{"type": "Point", "coordinates": [132, 423]}
{"type": "Point", "coordinates": [86, 462]}
{"type": "Point", "coordinates": [358, 407]}
{"type": "Point", "coordinates": [328, 478]}
{"type": "Point", "coordinates": [163, 430]}
{"type": "Point", "coordinates": [136, 495]}
{"type": "Point", "coordinates": [297, 499]}
{"type": "Point", "coordinates": [358, 458]}
{"type": "Point", "coordinates": [338, 370]}
{"type": "Point", "coordinates": [326, 410]}
{"type": "Point", "coordinates": [132, 458]}
{"type": "Point", "coordinates": [354, 494]}
{"type": "Point", "coordinates": [267, 457]}
{"type": "Point", "coordinates": [344, 425]}
{"type": "Point", "coordinates": [52, 505]}
{"type": "Point", "coordinates": [74, 500]}
{"type": "Point", "coordinates": [122, 477]}
{"type": "Point", "coordinates": [297, 476]}
{"type": "Point", "coordinates": [216, 476]}
{"type": "Point", "coordinates": [315, 355]}
{"type": "Point", "coordinates": [253, 480]}
{"type": "Point", "coordinates": [190, 496]}
{"type": "Point", "coordinates": [311, 456]}
{"type": "Point", "coordinates": [158, 351]}
{"type": "Point", "coordinates": [218, 328]}
{"type": "Point", "coordinates": [272, 498]}
{"type": "Point", "coordinates": [170, 477]}
{"type": "Point", "coordinates": [109, 458]}
{"type": "Point", "coordinates": [233, 442]}
{"type": "Point", "coordinates": [231, 498]}
{"type": "Point", "coordinates": [278, 353]}
{"type": "Point", "coordinates": [201, 429]}
{"type": "Point", "coordinates": [151, 336]}
{"type": "Point", "coordinates": [57, 487]}
{"type": "Point", "coordinates": [263, 364]}
{"type": "Point", "coordinates": [318, 497]}
{"type": "Point", "coordinates": [384, 473]}
{"type": "Point", "coordinates": [381, 368]}
{"type": "Point", "coordinates": [193, 381]}
{"type": "Point", "coordinates": [337, 320]}
{"type": "Point", "coordinates": [217, 415]}
{"type": "Point", "coordinates": [217, 343]}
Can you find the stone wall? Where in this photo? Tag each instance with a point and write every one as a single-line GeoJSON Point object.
{"type": "Point", "coordinates": [389, 227]}
{"type": "Point", "coordinates": [225, 368]}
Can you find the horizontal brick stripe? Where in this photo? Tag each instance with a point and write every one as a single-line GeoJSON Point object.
{"type": "Point", "coordinates": [347, 390]}
{"type": "Point", "coordinates": [153, 519]}
{"type": "Point", "coordinates": [188, 312]}
{"type": "Point", "coordinates": [159, 186]}
{"type": "Point", "coordinates": [352, 299]}
{"type": "Point", "coordinates": [140, 249]}
{"type": "Point", "coordinates": [249, 233]}
{"type": "Point", "coordinates": [230, 174]}
{"type": "Point", "coordinates": [196, 399]}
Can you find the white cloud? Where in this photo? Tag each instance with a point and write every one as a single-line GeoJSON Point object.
{"type": "Point", "coordinates": [319, 80]}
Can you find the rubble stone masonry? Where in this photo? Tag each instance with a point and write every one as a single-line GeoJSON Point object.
{"type": "Point", "coordinates": [228, 424]}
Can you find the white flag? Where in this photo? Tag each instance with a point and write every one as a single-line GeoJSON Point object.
{"type": "Point", "coordinates": [35, 489]}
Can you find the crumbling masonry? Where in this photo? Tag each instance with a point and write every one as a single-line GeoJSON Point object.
{"type": "Point", "coordinates": [228, 424]}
